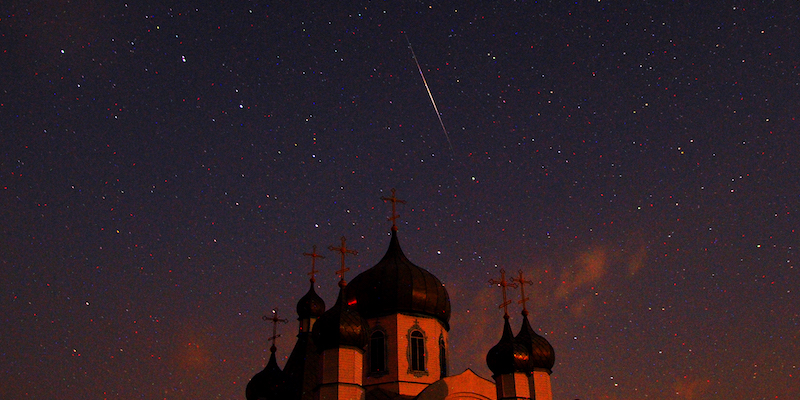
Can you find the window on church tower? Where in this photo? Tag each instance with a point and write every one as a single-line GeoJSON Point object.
{"type": "Point", "coordinates": [417, 343]}
{"type": "Point", "coordinates": [377, 353]}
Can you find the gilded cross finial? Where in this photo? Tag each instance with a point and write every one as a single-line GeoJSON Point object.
{"type": "Point", "coordinates": [314, 256]}
{"type": "Point", "coordinates": [394, 201]}
{"type": "Point", "coordinates": [343, 250]}
{"type": "Point", "coordinates": [522, 282]}
{"type": "Point", "coordinates": [275, 321]}
{"type": "Point", "coordinates": [503, 283]}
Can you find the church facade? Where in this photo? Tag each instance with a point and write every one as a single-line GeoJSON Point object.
{"type": "Point", "coordinates": [386, 337]}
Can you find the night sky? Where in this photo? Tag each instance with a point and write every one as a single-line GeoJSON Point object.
{"type": "Point", "coordinates": [163, 169]}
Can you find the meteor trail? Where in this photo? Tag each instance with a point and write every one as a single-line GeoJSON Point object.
{"type": "Point", "coordinates": [438, 115]}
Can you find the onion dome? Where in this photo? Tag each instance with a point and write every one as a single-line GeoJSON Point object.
{"type": "Point", "coordinates": [267, 384]}
{"type": "Point", "coordinates": [310, 305]}
{"type": "Point", "coordinates": [341, 326]}
{"type": "Point", "coordinates": [541, 352]}
{"type": "Point", "coordinates": [396, 285]}
{"type": "Point", "coordinates": [508, 355]}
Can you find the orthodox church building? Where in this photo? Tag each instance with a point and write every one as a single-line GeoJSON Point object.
{"type": "Point", "coordinates": [386, 337]}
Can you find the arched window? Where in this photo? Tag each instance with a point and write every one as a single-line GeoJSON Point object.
{"type": "Point", "coordinates": [417, 344]}
{"type": "Point", "coordinates": [442, 357]}
{"type": "Point", "coordinates": [377, 353]}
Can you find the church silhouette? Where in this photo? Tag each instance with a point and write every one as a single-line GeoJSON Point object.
{"type": "Point", "coordinates": [386, 337]}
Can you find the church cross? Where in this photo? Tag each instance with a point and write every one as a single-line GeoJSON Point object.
{"type": "Point", "coordinates": [522, 282]}
{"type": "Point", "coordinates": [503, 283]}
{"type": "Point", "coordinates": [343, 251]}
{"type": "Point", "coordinates": [275, 321]}
{"type": "Point", "coordinates": [314, 257]}
{"type": "Point", "coordinates": [394, 201]}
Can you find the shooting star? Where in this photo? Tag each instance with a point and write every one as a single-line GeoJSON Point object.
{"type": "Point", "coordinates": [438, 115]}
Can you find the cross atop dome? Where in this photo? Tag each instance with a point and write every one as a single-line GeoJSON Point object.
{"type": "Point", "coordinates": [394, 201]}
{"type": "Point", "coordinates": [522, 282]}
{"type": "Point", "coordinates": [275, 321]}
{"type": "Point", "coordinates": [314, 257]}
{"type": "Point", "coordinates": [343, 250]}
{"type": "Point", "coordinates": [503, 284]}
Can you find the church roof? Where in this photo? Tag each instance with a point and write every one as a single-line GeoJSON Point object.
{"type": "Point", "coordinates": [310, 305]}
{"type": "Point", "coordinates": [267, 384]}
{"type": "Point", "coordinates": [396, 285]}
{"type": "Point", "coordinates": [466, 385]}
{"type": "Point", "coordinates": [340, 326]}
{"type": "Point", "coordinates": [541, 351]}
{"type": "Point", "coordinates": [508, 355]}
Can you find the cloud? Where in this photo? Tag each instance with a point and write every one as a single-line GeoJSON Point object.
{"type": "Point", "coordinates": [476, 330]}
{"type": "Point", "coordinates": [637, 259]}
{"type": "Point", "coordinates": [589, 268]}
{"type": "Point", "coordinates": [691, 388]}
{"type": "Point", "coordinates": [191, 350]}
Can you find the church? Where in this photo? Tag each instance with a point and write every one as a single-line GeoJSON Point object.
{"type": "Point", "coordinates": [386, 338]}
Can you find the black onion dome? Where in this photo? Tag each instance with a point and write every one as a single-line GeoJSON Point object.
{"type": "Point", "coordinates": [396, 285]}
{"type": "Point", "coordinates": [341, 326]}
{"type": "Point", "coordinates": [310, 305]}
{"type": "Point", "coordinates": [267, 384]}
{"type": "Point", "coordinates": [542, 353]}
{"type": "Point", "coordinates": [508, 355]}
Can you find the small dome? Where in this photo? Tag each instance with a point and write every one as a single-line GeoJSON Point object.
{"type": "Point", "coordinates": [310, 305]}
{"type": "Point", "coordinates": [341, 326]}
{"type": "Point", "coordinates": [540, 350]}
{"type": "Point", "coordinates": [395, 285]}
{"type": "Point", "coordinates": [267, 384]}
{"type": "Point", "coordinates": [508, 355]}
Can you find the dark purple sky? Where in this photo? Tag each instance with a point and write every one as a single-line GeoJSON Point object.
{"type": "Point", "coordinates": [162, 170]}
